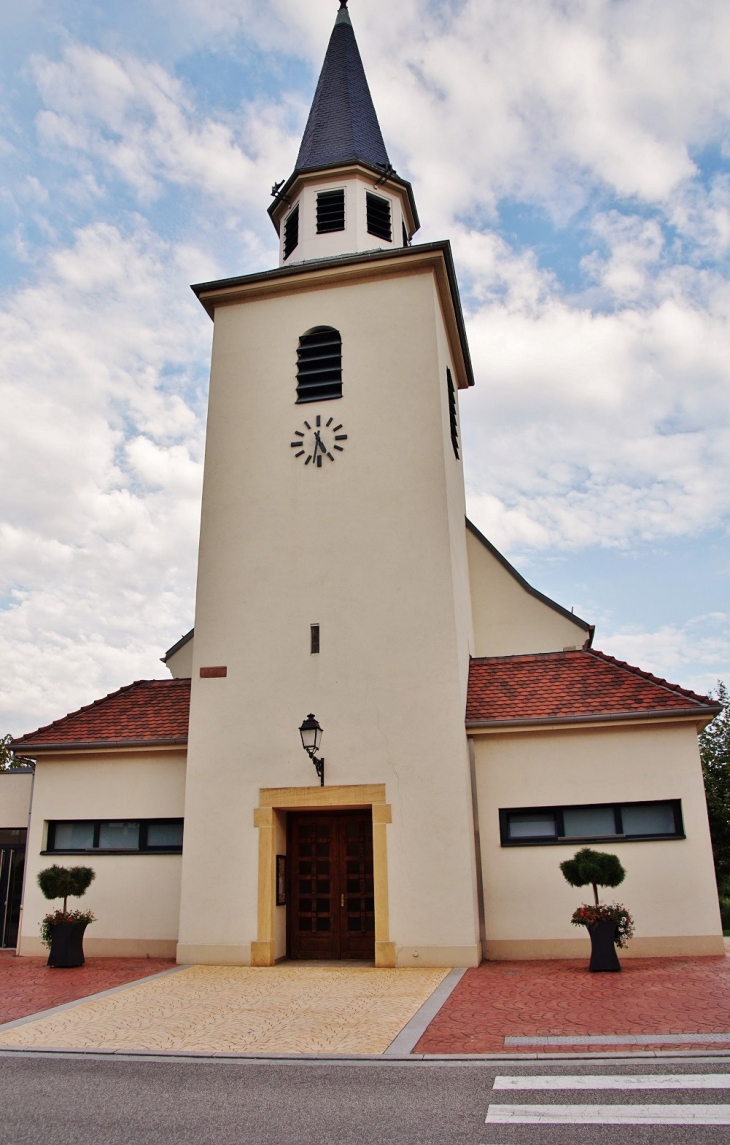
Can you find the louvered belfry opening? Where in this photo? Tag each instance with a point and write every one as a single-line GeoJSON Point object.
{"type": "Point", "coordinates": [330, 211]}
{"type": "Point", "coordinates": [291, 232]}
{"type": "Point", "coordinates": [453, 423]}
{"type": "Point", "coordinates": [319, 365]}
{"type": "Point", "coordinates": [378, 210]}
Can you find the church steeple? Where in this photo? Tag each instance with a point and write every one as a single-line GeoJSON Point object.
{"type": "Point", "coordinates": [343, 196]}
{"type": "Point", "coordinates": [342, 126]}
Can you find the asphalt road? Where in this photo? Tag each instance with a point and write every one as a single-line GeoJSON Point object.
{"type": "Point", "coordinates": [57, 1100]}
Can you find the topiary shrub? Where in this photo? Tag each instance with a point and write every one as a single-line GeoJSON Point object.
{"type": "Point", "coordinates": [593, 868]}
{"type": "Point", "coordinates": [65, 882]}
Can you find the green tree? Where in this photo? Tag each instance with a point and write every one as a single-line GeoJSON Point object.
{"type": "Point", "coordinates": [8, 758]}
{"type": "Point", "coordinates": [593, 868]}
{"type": "Point", "coordinates": [715, 755]}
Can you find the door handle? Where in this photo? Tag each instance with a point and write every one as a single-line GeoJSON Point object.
{"type": "Point", "coordinates": [342, 900]}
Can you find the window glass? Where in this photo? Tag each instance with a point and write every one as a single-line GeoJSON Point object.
{"type": "Point", "coordinates": [165, 835]}
{"type": "Point", "coordinates": [539, 825]}
{"type": "Point", "coordinates": [119, 836]}
{"type": "Point", "coordinates": [649, 819]}
{"type": "Point", "coordinates": [74, 836]}
{"type": "Point", "coordinates": [580, 821]}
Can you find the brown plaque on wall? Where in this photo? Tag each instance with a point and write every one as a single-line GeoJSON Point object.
{"type": "Point", "coordinates": [213, 673]}
{"type": "Point", "coordinates": [281, 880]}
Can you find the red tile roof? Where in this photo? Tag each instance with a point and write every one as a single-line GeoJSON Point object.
{"type": "Point", "coordinates": [571, 686]}
{"type": "Point", "coordinates": [148, 712]}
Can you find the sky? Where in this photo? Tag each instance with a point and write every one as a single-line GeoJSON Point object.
{"type": "Point", "coordinates": [577, 155]}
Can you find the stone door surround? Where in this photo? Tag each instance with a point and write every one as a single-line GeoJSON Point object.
{"type": "Point", "coordinates": [273, 802]}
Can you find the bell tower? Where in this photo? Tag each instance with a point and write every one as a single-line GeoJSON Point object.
{"type": "Point", "coordinates": [333, 507]}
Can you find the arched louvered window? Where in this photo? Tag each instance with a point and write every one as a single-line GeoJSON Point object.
{"type": "Point", "coordinates": [319, 365]}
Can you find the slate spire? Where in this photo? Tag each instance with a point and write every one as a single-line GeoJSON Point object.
{"type": "Point", "coordinates": [342, 125]}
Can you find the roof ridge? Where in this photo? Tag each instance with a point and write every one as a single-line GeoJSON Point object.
{"type": "Point", "coordinates": [676, 688]}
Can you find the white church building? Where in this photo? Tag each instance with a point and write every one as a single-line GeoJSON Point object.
{"type": "Point", "coordinates": [471, 735]}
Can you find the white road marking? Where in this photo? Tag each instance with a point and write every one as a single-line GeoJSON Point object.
{"type": "Point", "coordinates": [621, 1040]}
{"type": "Point", "coordinates": [617, 1081]}
{"type": "Point", "coordinates": [608, 1115]}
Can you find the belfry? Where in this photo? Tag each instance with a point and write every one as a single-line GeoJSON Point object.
{"type": "Point", "coordinates": [466, 735]}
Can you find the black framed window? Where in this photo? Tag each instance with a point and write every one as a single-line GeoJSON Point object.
{"type": "Point", "coordinates": [583, 823]}
{"type": "Point", "coordinates": [378, 216]}
{"type": "Point", "coordinates": [319, 365]}
{"type": "Point", "coordinates": [114, 836]}
{"type": "Point", "coordinates": [453, 420]}
{"type": "Point", "coordinates": [291, 232]}
{"type": "Point", "coordinates": [330, 211]}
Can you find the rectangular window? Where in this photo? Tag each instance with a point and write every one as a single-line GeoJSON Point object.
{"type": "Point", "coordinates": [378, 214]}
{"type": "Point", "coordinates": [314, 638]}
{"type": "Point", "coordinates": [330, 211]}
{"type": "Point", "coordinates": [405, 235]}
{"type": "Point", "coordinates": [291, 232]}
{"type": "Point", "coordinates": [532, 826]}
{"type": "Point", "coordinates": [115, 836]}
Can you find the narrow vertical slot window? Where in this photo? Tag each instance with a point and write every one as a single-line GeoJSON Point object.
{"type": "Point", "coordinates": [405, 235]}
{"type": "Point", "coordinates": [291, 232]}
{"type": "Point", "coordinates": [314, 638]}
{"type": "Point", "coordinates": [330, 211]}
{"type": "Point", "coordinates": [453, 423]}
{"type": "Point", "coordinates": [378, 215]}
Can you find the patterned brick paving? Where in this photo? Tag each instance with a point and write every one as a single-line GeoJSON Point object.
{"type": "Point", "coordinates": [27, 985]}
{"type": "Point", "coordinates": [519, 999]}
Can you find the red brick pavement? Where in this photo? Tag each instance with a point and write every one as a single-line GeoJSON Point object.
{"type": "Point", "coordinates": [540, 999]}
{"type": "Point", "coordinates": [27, 985]}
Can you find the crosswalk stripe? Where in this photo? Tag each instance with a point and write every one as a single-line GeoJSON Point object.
{"type": "Point", "coordinates": [617, 1081]}
{"type": "Point", "coordinates": [608, 1115]}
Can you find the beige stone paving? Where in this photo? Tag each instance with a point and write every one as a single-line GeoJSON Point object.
{"type": "Point", "coordinates": [278, 1009]}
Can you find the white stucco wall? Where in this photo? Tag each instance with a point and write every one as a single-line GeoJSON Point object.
{"type": "Point", "coordinates": [15, 787]}
{"type": "Point", "coordinates": [367, 547]}
{"type": "Point", "coordinates": [180, 665]}
{"type": "Point", "coordinates": [508, 620]}
{"type": "Point", "coordinates": [135, 897]}
{"type": "Point", "coordinates": [670, 886]}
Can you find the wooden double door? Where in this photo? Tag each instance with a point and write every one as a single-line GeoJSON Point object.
{"type": "Point", "coordinates": [330, 900]}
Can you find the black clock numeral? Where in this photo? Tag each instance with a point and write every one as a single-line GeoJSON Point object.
{"type": "Point", "coordinates": [295, 444]}
{"type": "Point", "coordinates": [329, 423]}
{"type": "Point", "coordinates": [319, 460]}
{"type": "Point", "coordinates": [319, 421]}
{"type": "Point", "coordinates": [308, 460]}
{"type": "Point", "coordinates": [299, 433]}
{"type": "Point", "coordinates": [330, 457]}
{"type": "Point", "coordinates": [307, 425]}
{"type": "Point", "coordinates": [341, 437]}
{"type": "Point", "coordinates": [336, 428]}
{"type": "Point", "coordinates": [339, 448]}
{"type": "Point", "coordinates": [300, 454]}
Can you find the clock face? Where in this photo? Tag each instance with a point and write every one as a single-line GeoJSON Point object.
{"type": "Point", "coordinates": [318, 442]}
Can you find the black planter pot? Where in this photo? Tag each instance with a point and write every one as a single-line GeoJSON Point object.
{"type": "Point", "coordinates": [603, 946]}
{"type": "Point", "coordinates": [67, 945]}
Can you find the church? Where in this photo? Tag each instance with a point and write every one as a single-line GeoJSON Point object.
{"type": "Point", "coordinates": [379, 741]}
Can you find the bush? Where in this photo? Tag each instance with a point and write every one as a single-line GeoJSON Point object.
{"type": "Point", "coordinates": [64, 882]}
{"type": "Point", "coordinates": [593, 868]}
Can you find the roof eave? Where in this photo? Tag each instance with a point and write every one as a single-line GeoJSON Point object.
{"type": "Point", "coordinates": [698, 713]}
{"type": "Point", "coordinates": [589, 628]}
{"type": "Point", "coordinates": [176, 647]}
{"type": "Point", "coordinates": [91, 745]}
{"type": "Point", "coordinates": [205, 291]}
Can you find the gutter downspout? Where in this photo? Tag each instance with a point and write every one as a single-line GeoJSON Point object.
{"type": "Point", "coordinates": [477, 846]}
{"type": "Point", "coordinates": [34, 764]}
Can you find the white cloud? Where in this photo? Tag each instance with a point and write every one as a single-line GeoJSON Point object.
{"type": "Point", "coordinates": [141, 122]}
{"type": "Point", "coordinates": [695, 654]}
{"type": "Point", "coordinates": [102, 375]}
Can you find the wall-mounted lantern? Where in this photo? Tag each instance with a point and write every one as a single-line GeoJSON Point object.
{"type": "Point", "coordinates": [311, 734]}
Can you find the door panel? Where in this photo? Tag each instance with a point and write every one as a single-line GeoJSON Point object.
{"type": "Point", "coordinates": [12, 860]}
{"type": "Point", "coordinates": [330, 911]}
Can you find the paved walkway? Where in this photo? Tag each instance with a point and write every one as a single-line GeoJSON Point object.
{"type": "Point", "coordinates": [27, 985]}
{"type": "Point", "coordinates": [207, 1009]}
{"type": "Point", "coordinates": [501, 1005]}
